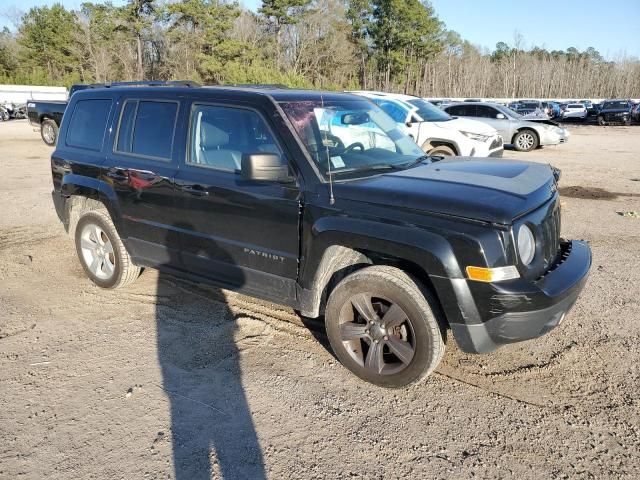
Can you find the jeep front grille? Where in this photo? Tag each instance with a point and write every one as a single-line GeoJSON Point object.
{"type": "Point", "coordinates": [550, 231]}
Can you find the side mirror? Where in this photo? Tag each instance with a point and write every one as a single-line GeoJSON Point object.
{"type": "Point", "coordinates": [411, 120]}
{"type": "Point", "coordinates": [264, 167]}
{"type": "Point", "coordinates": [500, 116]}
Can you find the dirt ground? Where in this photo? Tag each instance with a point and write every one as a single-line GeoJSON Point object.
{"type": "Point", "coordinates": [170, 379]}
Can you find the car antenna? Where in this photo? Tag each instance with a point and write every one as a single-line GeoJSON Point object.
{"type": "Point", "coordinates": [324, 141]}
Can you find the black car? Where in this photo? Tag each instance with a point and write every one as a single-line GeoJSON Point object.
{"type": "Point", "coordinates": [525, 107]}
{"type": "Point", "coordinates": [615, 111]}
{"type": "Point", "coordinates": [316, 200]}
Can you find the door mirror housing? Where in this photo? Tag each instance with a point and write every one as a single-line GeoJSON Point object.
{"type": "Point", "coordinates": [412, 119]}
{"type": "Point", "coordinates": [501, 116]}
{"type": "Point", "coordinates": [264, 167]}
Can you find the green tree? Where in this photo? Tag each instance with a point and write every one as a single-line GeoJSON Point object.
{"type": "Point", "coordinates": [403, 31]}
{"type": "Point", "coordinates": [136, 19]}
{"type": "Point", "coordinates": [358, 15]}
{"type": "Point", "coordinates": [278, 14]}
{"type": "Point", "coordinates": [47, 37]}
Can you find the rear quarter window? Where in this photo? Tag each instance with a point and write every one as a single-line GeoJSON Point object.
{"type": "Point", "coordinates": [88, 123]}
{"type": "Point", "coordinates": [146, 128]}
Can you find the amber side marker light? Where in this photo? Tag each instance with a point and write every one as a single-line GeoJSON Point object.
{"type": "Point", "coordinates": [482, 274]}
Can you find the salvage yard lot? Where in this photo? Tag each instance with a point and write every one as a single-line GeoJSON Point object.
{"type": "Point", "coordinates": [168, 374]}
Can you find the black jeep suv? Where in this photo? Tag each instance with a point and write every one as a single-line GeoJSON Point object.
{"type": "Point", "coordinates": [615, 111]}
{"type": "Point", "coordinates": [318, 201]}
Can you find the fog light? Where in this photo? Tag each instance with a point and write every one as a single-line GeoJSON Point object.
{"type": "Point", "coordinates": [482, 274]}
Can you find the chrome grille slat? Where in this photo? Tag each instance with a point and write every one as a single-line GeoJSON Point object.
{"type": "Point", "coordinates": [550, 229]}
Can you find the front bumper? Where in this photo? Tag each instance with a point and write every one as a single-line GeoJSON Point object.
{"type": "Point", "coordinates": [492, 147]}
{"type": "Point", "coordinates": [554, 137]}
{"type": "Point", "coordinates": [514, 311]}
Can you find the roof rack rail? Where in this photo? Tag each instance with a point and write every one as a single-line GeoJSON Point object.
{"type": "Point", "coordinates": [147, 83]}
{"type": "Point", "coordinates": [257, 85]}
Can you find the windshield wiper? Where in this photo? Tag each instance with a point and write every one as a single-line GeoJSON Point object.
{"type": "Point", "coordinates": [417, 161]}
{"type": "Point", "coordinates": [362, 168]}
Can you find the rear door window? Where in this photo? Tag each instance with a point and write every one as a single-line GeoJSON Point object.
{"type": "Point", "coordinates": [462, 110]}
{"type": "Point", "coordinates": [396, 112]}
{"type": "Point", "coordinates": [147, 128]}
{"type": "Point", "coordinates": [88, 123]}
{"type": "Point", "coordinates": [485, 111]}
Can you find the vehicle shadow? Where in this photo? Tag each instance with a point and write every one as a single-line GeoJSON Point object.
{"type": "Point", "coordinates": [212, 430]}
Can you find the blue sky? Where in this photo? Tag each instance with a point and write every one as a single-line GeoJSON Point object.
{"type": "Point", "coordinates": [612, 27]}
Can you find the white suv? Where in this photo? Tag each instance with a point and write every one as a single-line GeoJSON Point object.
{"type": "Point", "coordinates": [436, 132]}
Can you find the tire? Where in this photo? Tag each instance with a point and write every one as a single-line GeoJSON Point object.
{"type": "Point", "coordinates": [101, 252]}
{"type": "Point", "coordinates": [49, 132]}
{"type": "Point", "coordinates": [396, 356]}
{"type": "Point", "coordinates": [601, 121]}
{"type": "Point", "coordinates": [442, 151]}
{"type": "Point", "coordinates": [526, 140]}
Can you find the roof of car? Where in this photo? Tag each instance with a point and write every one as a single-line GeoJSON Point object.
{"type": "Point", "coordinates": [278, 93]}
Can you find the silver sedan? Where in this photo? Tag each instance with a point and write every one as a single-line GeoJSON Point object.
{"type": "Point", "coordinates": [523, 133]}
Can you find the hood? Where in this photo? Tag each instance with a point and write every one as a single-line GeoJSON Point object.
{"type": "Point", "coordinates": [467, 125]}
{"type": "Point", "coordinates": [538, 121]}
{"type": "Point", "coordinates": [489, 190]}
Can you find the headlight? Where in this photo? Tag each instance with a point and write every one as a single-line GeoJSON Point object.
{"type": "Point", "coordinates": [475, 136]}
{"type": "Point", "coordinates": [526, 244]}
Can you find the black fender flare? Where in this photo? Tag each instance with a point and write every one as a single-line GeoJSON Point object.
{"type": "Point", "coordinates": [94, 189]}
{"type": "Point", "coordinates": [338, 242]}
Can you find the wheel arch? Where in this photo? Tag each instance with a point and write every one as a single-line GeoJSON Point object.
{"type": "Point", "coordinates": [83, 194]}
{"type": "Point", "coordinates": [433, 142]}
{"type": "Point", "coordinates": [336, 252]}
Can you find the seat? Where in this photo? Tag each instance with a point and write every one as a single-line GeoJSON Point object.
{"type": "Point", "coordinates": [212, 153]}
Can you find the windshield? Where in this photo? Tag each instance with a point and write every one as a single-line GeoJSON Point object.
{"type": "Point", "coordinates": [529, 105]}
{"type": "Point", "coordinates": [350, 135]}
{"type": "Point", "coordinates": [508, 111]}
{"type": "Point", "coordinates": [620, 104]}
{"type": "Point", "coordinates": [429, 112]}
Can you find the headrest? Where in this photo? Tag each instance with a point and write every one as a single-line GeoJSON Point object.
{"type": "Point", "coordinates": [212, 137]}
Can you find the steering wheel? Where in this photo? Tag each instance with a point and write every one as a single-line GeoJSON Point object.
{"type": "Point", "coordinates": [333, 144]}
{"type": "Point", "coordinates": [353, 146]}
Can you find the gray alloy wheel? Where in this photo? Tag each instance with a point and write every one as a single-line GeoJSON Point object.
{"type": "Point", "coordinates": [97, 251]}
{"type": "Point", "coordinates": [381, 326]}
{"type": "Point", "coordinates": [102, 254]}
{"type": "Point", "coordinates": [525, 140]}
{"type": "Point", "coordinates": [49, 132]}
{"type": "Point", "coordinates": [379, 336]}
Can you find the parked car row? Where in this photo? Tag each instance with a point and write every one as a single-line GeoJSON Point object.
{"type": "Point", "coordinates": [434, 130]}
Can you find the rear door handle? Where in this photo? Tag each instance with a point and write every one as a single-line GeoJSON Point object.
{"type": "Point", "coordinates": [197, 190]}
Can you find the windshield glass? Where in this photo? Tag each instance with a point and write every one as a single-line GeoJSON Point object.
{"type": "Point", "coordinates": [620, 104]}
{"type": "Point", "coordinates": [429, 112]}
{"type": "Point", "coordinates": [528, 105]}
{"type": "Point", "coordinates": [350, 135]}
{"type": "Point", "coordinates": [508, 111]}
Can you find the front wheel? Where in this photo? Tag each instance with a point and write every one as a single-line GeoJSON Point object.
{"type": "Point", "coordinates": [441, 151]}
{"type": "Point", "coordinates": [601, 121]}
{"type": "Point", "coordinates": [102, 254]}
{"type": "Point", "coordinates": [381, 326]}
{"type": "Point", "coordinates": [525, 140]}
{"type": "Point", "coordinates": [49, 132]}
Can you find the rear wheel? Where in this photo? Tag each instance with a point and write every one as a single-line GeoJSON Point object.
{"type": "Point", "coordinates": [381, 326]}
{"type": "Point", "coordinates": [525, 140]}
{"type": "Point", "coordinates": [102, 254]}
{"type": "Point", "coordinates": [49, 132]}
